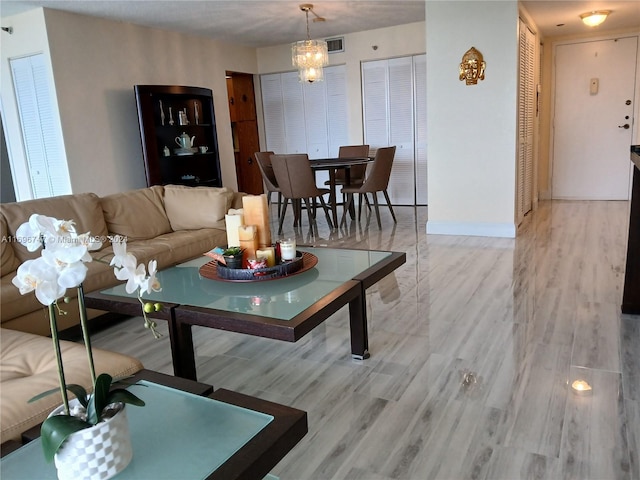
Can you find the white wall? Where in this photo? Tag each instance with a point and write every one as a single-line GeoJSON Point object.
{"type": "Point", "coordinates": [471, 139]}
{"type": "Point", "coordinates": [96, 63]}
{"type": "Point", "coordinates": [391, 42]}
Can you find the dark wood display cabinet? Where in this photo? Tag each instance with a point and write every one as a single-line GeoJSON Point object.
{"type": "Point", "coordinates": [178, 133]}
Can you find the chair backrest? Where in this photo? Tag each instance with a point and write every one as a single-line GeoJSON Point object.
{"type": "Point", "coordinates": [357, 171]}
{"type": "Point", "coordinates": [353, 151]}
{"type": "Point", "coordinates": [294, 175]}
{"type": "Point", "coordinates": [266, 169]}
{"type": "Point", "coordinates": [380, 171]}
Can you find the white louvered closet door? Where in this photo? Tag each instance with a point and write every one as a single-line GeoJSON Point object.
{"type": "Point", "coordinates": [273, 108]}
{"type": "Point", "coordinates": [394, 103]}
{"type": "Point", "coordinates": [336, 85]}
{"type": "Point", "coordinates": [315, 120]}
{"type": "Point", "coordinates": [43, 148]}
{"type": "Point", "coordinates": [526, 119]}
{"type": "Point", "coordinates": [401, 125]}
{"type": "Point", "coordinates": [305, 118]}
{"type": "Point", "coordinates": [375, 104]}
{"type": "Point", "coordinates": [294, 114]}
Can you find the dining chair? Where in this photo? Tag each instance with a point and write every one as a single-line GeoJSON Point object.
{"type": "Point", "coordinates": [377, 180]}
{"type": "Point", "coordinates": [270, 181]}
{"type": "Point", "coordinates": [357, 172]}
{"type": "Point", "coordinates": [297, 183]}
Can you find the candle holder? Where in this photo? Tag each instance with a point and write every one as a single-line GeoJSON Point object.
{"type": "Point", "coordinates": [288, 249]}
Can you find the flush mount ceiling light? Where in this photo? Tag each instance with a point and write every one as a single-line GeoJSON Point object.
{"type": "Point", "coordinates": [595, 18]}
{"type": "Point", "coordinates": [309, 56]}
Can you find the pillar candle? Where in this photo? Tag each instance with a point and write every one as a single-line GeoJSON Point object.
{"type": "Point", "coordinates": [233, 220]}
{"type": "Point", "coordinates": [248, 236]}
{"type": "Point", "coordinates": [256, 212]}
{"type": "Point", "coordinates": [269, 253]}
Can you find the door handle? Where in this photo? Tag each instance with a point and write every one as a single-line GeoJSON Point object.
{"type": "Point", "coordinates": [625, 126]}
{"type": "Point", "coordinates": [249, 160]}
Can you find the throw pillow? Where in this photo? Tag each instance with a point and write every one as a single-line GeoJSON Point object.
{"type": "Point", "coordinates": [137, 214]}
{"type": "Point", "coordinates": [192, 208]}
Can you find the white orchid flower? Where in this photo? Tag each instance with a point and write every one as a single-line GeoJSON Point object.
{"type": "Point", "coordinates": [46, 225]}
{"type": "Point", "coordinates": [135, 277]}
{"type": "Point", "coordinates": [62, 262]}
{"type": "Point", "coordinates": [68, 264]}
{"type": "Point", "coordinates": [91, 243]}
{"type": "Point", "coordinates": [151, 283]}
{"type": "Point", "coordinates": [40, 276]}
{"type": "Point", "coordinates": [31, 233]}
{"type": "Point", "coordinates": [120, 256]}
{"type": "Point", "coordinates": [65, 228]}
{"type": "Point", "coordinates": [72, 275]}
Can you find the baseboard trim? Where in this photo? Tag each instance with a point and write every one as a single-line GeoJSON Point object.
{"type": "Point", "coordinates": [502, 230]}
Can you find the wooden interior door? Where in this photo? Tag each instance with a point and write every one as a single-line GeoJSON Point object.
{"type": "Point", "coordinates": [242, 112]}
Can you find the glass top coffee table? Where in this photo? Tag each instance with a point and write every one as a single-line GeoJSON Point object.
{"type": "Point", "coordinates": [187, 430]}
{"type": "Point", "coordinates": [285, 308]}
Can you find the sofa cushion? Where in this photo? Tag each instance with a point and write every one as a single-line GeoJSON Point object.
{"type": "Point", "coordinates": [191, 208]}
{"type": "Point", "coordinates": [28, 367]}
{"type": "Point", "coordinates": [8, 261]}
{"type": "Point", "coordinates": [137, 214]}
{"type": "Point", "coordinates": [83, 208]}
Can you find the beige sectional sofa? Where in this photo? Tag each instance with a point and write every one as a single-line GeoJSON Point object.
{"type": "Point", "coordinates": [29, 367]}
{"type": "Point", "coordinates": [170, 224]}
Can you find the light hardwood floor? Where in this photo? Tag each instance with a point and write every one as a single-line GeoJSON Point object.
{"type": "Point", "coordinates": [524, 317]}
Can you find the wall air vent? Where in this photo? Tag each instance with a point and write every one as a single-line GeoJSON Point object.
{"type": "Point", "coordinates": [335, 45]}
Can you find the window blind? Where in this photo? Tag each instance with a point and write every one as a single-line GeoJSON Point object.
{"type": "Point", "coordinates": [46, 161]}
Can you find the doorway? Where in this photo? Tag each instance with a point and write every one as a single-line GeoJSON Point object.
{"type": "Point", "coordinates": [244, 127]}
{"type": "Point", "coordinates": [593, 119]}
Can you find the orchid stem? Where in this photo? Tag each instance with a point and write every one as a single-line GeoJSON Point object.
{"type": "Point", "coordinates": [150, 324]}
{"type": "Point", "coordinates": [56, 347]}
{"type": "Point", "coordinates": [85, 332]}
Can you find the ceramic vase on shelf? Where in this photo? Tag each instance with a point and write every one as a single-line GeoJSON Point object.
{"type": "Point", "coordinates": [96, 453]}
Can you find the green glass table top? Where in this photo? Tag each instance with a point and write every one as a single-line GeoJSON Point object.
{"type": "Point", "coordinates": [175, 435]}
{"type": "Point", "coordinates": [281, 298]}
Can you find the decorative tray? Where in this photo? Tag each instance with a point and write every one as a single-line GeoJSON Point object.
{"type": "Point", "coordinates": [218, 271]}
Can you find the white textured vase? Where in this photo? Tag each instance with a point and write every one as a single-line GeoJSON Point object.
{"type": "Point", "coordinates": [95, 453]}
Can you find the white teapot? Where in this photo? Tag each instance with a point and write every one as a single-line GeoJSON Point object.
{"type": "Point", "coordinates": [185, 141]}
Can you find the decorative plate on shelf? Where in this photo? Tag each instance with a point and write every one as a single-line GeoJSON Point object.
{"type": "Point", "coordinates": [185, 151]}
{"type": "Point", "coordinates": [304, 261]}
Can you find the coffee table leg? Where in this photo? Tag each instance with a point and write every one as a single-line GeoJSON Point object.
{"type": "Point", "coordinates": [358, 326]}
{"type": "Point", "coordinates": [182, 351]}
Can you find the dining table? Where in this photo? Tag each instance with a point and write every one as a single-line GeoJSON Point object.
{"type": "Point", "coordinates": [332, 165]}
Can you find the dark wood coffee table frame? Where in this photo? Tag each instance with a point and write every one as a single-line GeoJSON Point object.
{"type": "Point", "coordinates": [181, 318]}
{"type": "Point", "coordinates": [258, 456]}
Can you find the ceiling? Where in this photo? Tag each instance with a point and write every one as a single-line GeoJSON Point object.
{"type": "Point", "coordinates": [263, 23]}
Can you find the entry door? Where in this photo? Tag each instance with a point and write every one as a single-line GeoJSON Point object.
{"type": "Point", "coordinates": [593, 103]}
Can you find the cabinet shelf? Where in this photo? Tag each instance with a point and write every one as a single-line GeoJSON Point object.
{"type": "Point", "coordinates": [158, 103]}
{"type": "Point", "coordinates": [178, 127]}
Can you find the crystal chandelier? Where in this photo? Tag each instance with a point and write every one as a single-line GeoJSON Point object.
{"type": "Point", "coordinates": [309, 56]}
